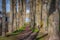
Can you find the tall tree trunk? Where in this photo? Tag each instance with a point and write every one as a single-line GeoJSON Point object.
{"type": "Point", "coordinates": [53, 29]}
{"type": "Point", "coordinates": [4, 17]}
{"type": "Point", "coordinates": [24, 11]}
{"type": "Point", "coordinates": [44, 15]}
{"type": "Point", "coordinates": [54, 26]}
{"type": "Point", "coordinates": [10, 27]}
{"type": "Point", "coordinates": [59, 16]}
{"type": "Point", "coordinates": [34, 14]}
{"type": "Point", "coordinates": [31, 12]}
{"type": "Point", "coordinates": [38, 12]}
{"type": "Point", "coordinates": [19, 15]}
{"type": "Point", "coordinates": [15, 12]}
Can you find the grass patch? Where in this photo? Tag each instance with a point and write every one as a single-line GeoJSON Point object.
{"type": "Point", "coordinates": [40, 39]}
{"type": "Point", "coordinates": [17, 31]}
{"type": "Point", "coordinates": [34, 30]}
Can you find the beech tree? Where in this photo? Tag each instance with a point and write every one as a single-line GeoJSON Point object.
{"type": "Point", "coordinates": [53, 29]}
{"type": "Point", "coordinates": [4, 17]}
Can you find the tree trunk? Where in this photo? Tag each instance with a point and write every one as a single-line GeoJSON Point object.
{"type": "Point", "coordinates": [34, 14]}
{"type": "Point", "coordinates": [4, 17]}
{"type": "Point", "coordinates": [53, 29]}
{"type": "Point", "coordinates": [15, 12]}
{"type": "Point", "coordinates": [38, 13]}
{"type": "Point", "coordinates": [19, 13]}
{"type": "Point", "coordinates": [31, 12]}
{"type": "Point", "coordinates": [44, 15]}
{"type": "Point", "coordinates": [54, 26]}
{"type": "Point", "coordinates": [24, 11]}
{"type": "Point", "coordinates": [10, 27]}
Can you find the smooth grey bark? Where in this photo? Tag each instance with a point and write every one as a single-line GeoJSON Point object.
{"type": "Point", "coordinates": [32, 12]}
{"type": "Point", "coordinates": [21, 13]}
{"type": "Point", "coordinates": [4, 17]}
{"type": "Point", "coordinates": [14, 15]}
{"type": "Point", "coordinates": [10, 27]}
{"type": "Point", "coordinates": [18, 15]}
{"type": "Point", "coordinates": [24, 11]}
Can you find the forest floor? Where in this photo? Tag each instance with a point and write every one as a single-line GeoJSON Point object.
{"type": "Point", "coordinates": [27, 34]}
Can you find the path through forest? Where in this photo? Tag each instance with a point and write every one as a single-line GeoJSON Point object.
{"type": "Point", "coordinates": [27, 35]}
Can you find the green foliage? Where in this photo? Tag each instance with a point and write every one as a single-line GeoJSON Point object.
{"type": "Point", "coordinates": [25, 24]}
{"type": "Point", "coordinates": [17, 31]}
{"type": "Point", "coordinates": [40, 39]}
{"type": "Point", "coordinates": [34, 30]}
{"type": "Point", "coordinates": [22, 28]}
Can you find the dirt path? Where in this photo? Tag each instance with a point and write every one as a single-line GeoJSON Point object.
{"type": "Point", "coordinates": [27, 35]}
